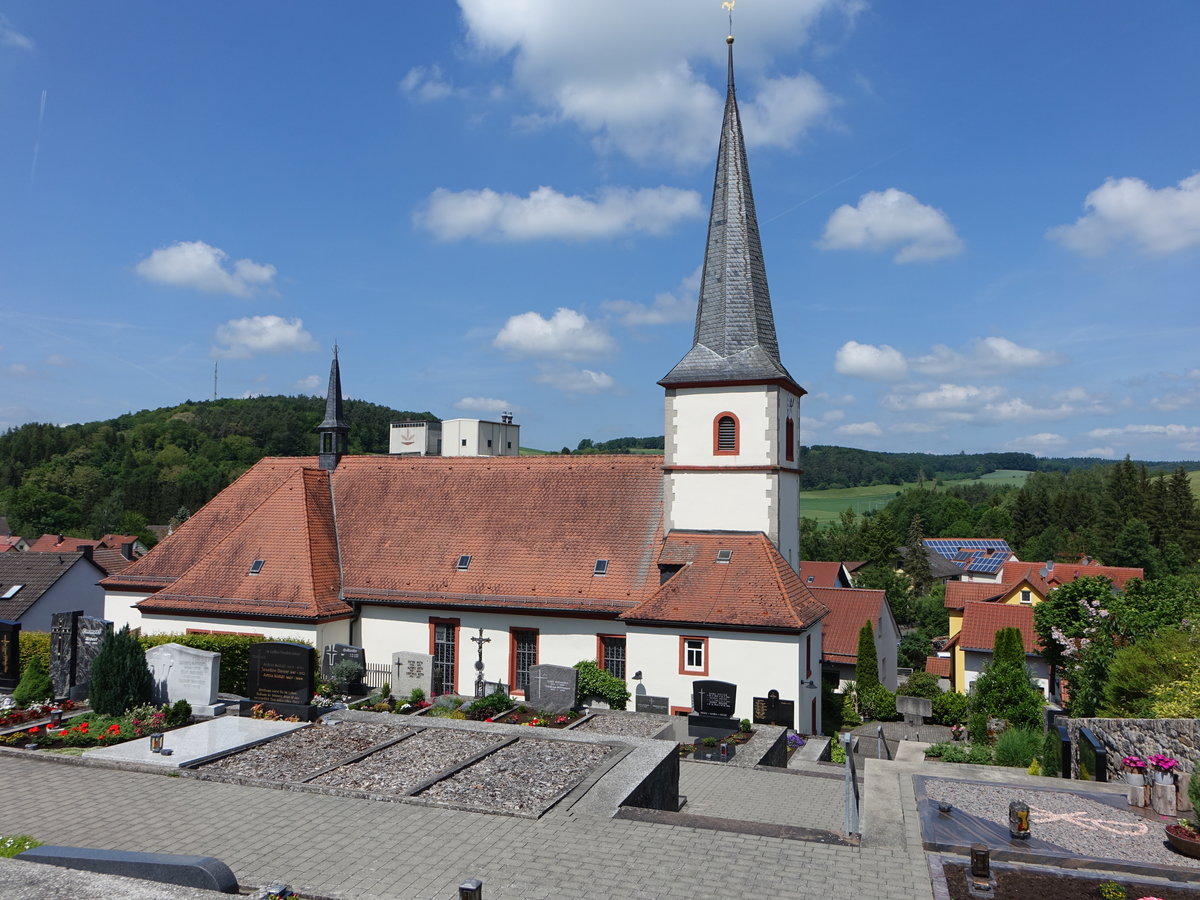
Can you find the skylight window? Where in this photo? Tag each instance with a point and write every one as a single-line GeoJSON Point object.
{"type": "Point", "coordinates": [601, 567]}
{"type": "Point", "coordinates": [724, 556]}
{"type": "Point", "coordinates": [464, 562]}
{"type": "Point", "coordinates": [810, 578]}
{"type": "Point", "coordinates": [256, 566]}
{"type": "Point", "coordinates": [11, 592]}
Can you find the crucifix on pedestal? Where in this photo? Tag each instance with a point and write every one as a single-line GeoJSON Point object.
{"type": "Point", "coordinates": [480, 641]}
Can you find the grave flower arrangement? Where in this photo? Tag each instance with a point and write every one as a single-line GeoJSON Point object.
{"type": "Point", "coordinates": [1162, 768]}
{"type": "Point", "coordinates": [1134, 764]}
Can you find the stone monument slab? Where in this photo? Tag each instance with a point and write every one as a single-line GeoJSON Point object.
{"type": "Point", "coordinates": [64, 628]}
{"type": "Point", "coordinates": [770, 710]}
{"type": "Point", "coordinates": [336, 653]}
{"type": "Point", "coordinates": [281, 677]}
{"type": "Point", "coordinates": [714, 698]}
{"type": "Point", "coordinates": [185, 673]}
{"type": "Point", "coordinates": [89, 637]}
{"type": "Point", "coordinates": [10, 654]}
{"type": "Point", "coordinates": [412, 670]}
{"type": "Point", "coordinates": [916, 710]}
{"type": "Point", "coordinates": [551, 688]}
{"type": "Point", "coordinates": [647, 703]}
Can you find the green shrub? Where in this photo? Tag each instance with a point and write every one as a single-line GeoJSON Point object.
{"type": "Point", "coordinates": [345, 674]}
{"type": "Point", "coordinates": [34, 644]}
{"type": "Point", "coordinates": [1017, 747]}
{"type": "Point", "coordinates": [949, 708]}
{"type": "Point", "coordinates": [180, 713]}
{"type": "Point", "coordinates": [120, 677]}
{"type": "Point", "coordinates": [977, 728]}
{"type": "Point", "coordinates": [234, 650]}
{"type": "Point", "coordinates": [878, 702]}
{"type": "Point", "coordinates": [935, 751]}
{"type": "Point", "coordinates": [850, 717]}
{"type": "Point", "coordinates": [594, 681]}
{"type": "Point", "coordinates": [13, 844]}
{"type": "Point", "coordinates": [1193, 792]}
{"type": "Point", "coordinates": [921, 684]}
{"type": "Point", "coordinates": [980, 755]}
{"type": "Point", "coordinates": [1111, 890]}
{"type": "Point", "coordinates": [1005, 689]}
{"type": "Point", "coordinates": [837, 753]}
{"type": "Point", "coordinates": [34, 685]}
{"type": "Point", "coordinates": [490, 706]}
{"type": "Point", "coordinates": [1051, 754]}
{"type": "Point", "coordinates": [385, 690]}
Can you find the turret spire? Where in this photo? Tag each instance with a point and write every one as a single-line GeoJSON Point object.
{"type": "Point", "coordinates": [734, 340]}
{"type": "Point", "coordinates": [333, 429]}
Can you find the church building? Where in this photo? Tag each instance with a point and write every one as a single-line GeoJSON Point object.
{"type": "Point", "coordinates": [665, 570]}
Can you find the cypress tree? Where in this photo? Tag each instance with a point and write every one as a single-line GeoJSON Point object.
{"type": "Point", "coordinates": [866, 669]}
{"type": "Point", "coordinates": [120, 677]}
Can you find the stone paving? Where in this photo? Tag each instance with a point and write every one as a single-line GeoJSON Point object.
{"type": "Point", "coordinates": [760, 795]}
{"type": "Point", "coordinates": [342, 847]}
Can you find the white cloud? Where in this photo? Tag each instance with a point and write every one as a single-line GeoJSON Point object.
{"type": "Point", "coordinates": [636, 77]}
{"type": "Point", "coordinates": [483, 405]}
{"type": "Point", "coordinates": [859, 429]}
{"type": "Point", "coordinates": [951, 396]}
{"type": "Point", "coordinates": [889, 219]}
{"type": "Point", "coordinates": [1127, 210]}
{"type": "Point", "coordinates": [426, 83]}
{"type": "Point", "coordinates": [1043, 440]}
{"type": "Point", "coordinates": [1173, 432]}
{"type": "Point", "coordinates": [18, 370]}
{"type": "Point", "coordinates": [310, 383]}
{"type": "Point", "coordinates": [914, 428]}
{"type": "Point", "coordinates": [10, 37]}
{"type": "Point", "coordinates": [883, 363]}
{"type": "Point", "coordinates": [577, 381]}
{"type": "Point", "coordinates": [834, 415]}
{"type": "Point", "coordinates": [1176, 401]}
{"type": "Point", "coordinates": [668, 307]}
{"type": "Point", "coordinates": [198, 265]}
{"type": "Point", "coordinates": [545, 213]}
{"type": "Point", "coordinates": [255, 335]}
{"type": "Point", "coordinates": [1106, 452]}
{"type": "Point", "coordinates": [567, 334]}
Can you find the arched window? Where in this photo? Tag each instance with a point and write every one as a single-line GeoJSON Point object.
{"type": "Point", "coordinates": [790, 438]}
{"type": "Point", "coordinates": [725, 434]}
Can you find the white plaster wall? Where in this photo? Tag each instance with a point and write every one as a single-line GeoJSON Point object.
{"type": "Point", "coordinates": [118, 609]}
{"type": "Point", "coordinates": [887, 649]}
{"type": "Point", "coordinates": [695, 410]}
{"type": "Point", "coordinates": [730, 501]}
{"type": "Point", "coordinates": [426, 436]}
{"type": "Point", "coordinates": [561, 641]}
{"type": "Point", "coordinates": [756, 663]}
{"type": "Point", "coordinates": [974, 664]}
{"type": "Point", "coordinates": [788, 505]}
{"type": "Point", "coordinates": [454, 432]}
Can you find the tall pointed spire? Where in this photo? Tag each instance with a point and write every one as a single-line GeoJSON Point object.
{"type": "Point", "coordinates": [734, 341]}
{"type": "Point", "coordinates": [333, 429]}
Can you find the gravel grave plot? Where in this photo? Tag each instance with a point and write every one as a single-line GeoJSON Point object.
{"type": "Point", "coordinates": [522, 778]}
{"type": "Point", "coordinates": [627, 724]}
{"type": "Point", "coordinates": [299, 754]}
{"type": "Point", "coordinates": [1083, 826]}
{"type": "Point", "coordinates": [401, 767]}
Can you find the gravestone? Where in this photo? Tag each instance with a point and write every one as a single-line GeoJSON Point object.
{"type": "Point", "coordinates": [714, 698]}
{"type": "Point", "coordinates": [914, 709]}
{"type": "Point", "coordinates": [770, 710]}
{"type": "Point", "coordinates": [185, 673]}
{"type": "Point", "coordinates": [281, 678]}
{"type": "Point", "coordinates": [64, 628]}
{"type": "Point", "coordinates": [646, 703]}
{"type": "Point", "coordinates": [1093, 757]}
{"type": "Point", "coordinates": [89, 637]}
{"type": "Point", "coordinates": [551, 688]}
{"type": "Point", "coordinates": [411, 671]}
{"type": "Point", "coordinates": [10, 654]}
{"type": "Point", "coordinates": [1064, 751]}
{"type": "Point", "coordinates": [336, 653]}
{"type": "Point", "coordinates": [490, 687]}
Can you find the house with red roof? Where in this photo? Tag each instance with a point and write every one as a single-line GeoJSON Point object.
{"type": "Point", "coordinates": [849, 610]}
{"type": "Point", "coordinates": [665, 570]}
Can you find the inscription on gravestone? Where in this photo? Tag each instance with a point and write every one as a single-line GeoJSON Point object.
{"type": "Point", "coordinates": [10, 654]}
{"type": "Point", "coordinates": [89, 637]}
{"type": "Point", "coordinates": [410, 671]}
{"type": "Point", "coordinates": [185, 673]}
{"type": "Point", "coordinates": [714, 698]}
{"type": "Point", "coordinates": [281, 676]}
{"type": "Point", "coordinates": [551, 688]}
{"type": "Point", "coordinates": [63, 631]}
{"type": "Point", "coordinates": [337, 653]}
{"type": "Point", "coordinates": [770, 710]}
{"type": "Point", "coordinates": [647, 703]}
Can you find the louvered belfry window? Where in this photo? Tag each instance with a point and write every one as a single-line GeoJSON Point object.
{"type": "Point", "coordinates": [726, 435]}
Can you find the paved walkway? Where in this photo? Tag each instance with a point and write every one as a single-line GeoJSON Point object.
{"type": "Point", "coordinates": [349, 848]}
{"type": "Point", "coordinates": [757, 795]}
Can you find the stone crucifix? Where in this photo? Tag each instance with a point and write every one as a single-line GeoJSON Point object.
{"type": "Point", "coordinates": [480, 641]}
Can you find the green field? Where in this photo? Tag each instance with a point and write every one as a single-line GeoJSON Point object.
{"type": "Point", "coordinates": [826, 506]}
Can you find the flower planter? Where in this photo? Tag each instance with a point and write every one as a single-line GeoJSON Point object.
{"type": "Point", "coordinates": [1159, 777]}
{"type": "Point", "coordinates": [1184, 840]}
{"type": "Point", "coordinates": [1137, 779]}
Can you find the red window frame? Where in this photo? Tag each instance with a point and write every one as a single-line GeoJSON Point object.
{"type": "Point", "coordinates": [683, 639]}
{"type": "Point", "coordinates": [434, 621]}
{"type": "Point", "coordinates": [600, 639]}
{"type": "Point", "coordinates": [512, 655]}
{"type": "Point", "coordinates": [737, 434]}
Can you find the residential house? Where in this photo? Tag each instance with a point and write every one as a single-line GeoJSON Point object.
{"type": "Point", "coordinates": [849, 610]}
{"type": "Point", "coordinates": [34, 586]}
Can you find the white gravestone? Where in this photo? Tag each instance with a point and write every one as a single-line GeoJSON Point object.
{"type": "Point", "coordinates": [185, 673]}
{"type": "Point", "coordinates": [411, 670]}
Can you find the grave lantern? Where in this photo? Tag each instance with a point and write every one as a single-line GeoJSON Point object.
{"type": "Point", "coordinates": [471, 890]}
{"type": "Point", "coordinates": [1018, 820]}
{"type": "Point", "coordinates": [55, 718]}
{"type": "Point", "coordinates": [981, 862]}
{"type": "Point", "coordinates": [156, 742]}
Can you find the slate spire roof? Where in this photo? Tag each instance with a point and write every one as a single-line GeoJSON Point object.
{"type": "Point", "coordinates": [734, 341]}
{"type": "Point", "coordinates": [334, 420]}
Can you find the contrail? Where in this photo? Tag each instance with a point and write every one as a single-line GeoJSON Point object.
{"type": "Point", "coordinates": [836, 184]}
{"type": "Point", "coordinates": [37, 140]}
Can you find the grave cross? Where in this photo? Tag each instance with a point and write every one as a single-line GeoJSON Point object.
{"type": "Point", "coordinates": [480, 641]}
{"type": "Point", "coordinates": [4, 651]}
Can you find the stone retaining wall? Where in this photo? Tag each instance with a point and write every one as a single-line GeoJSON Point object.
{"type": "Point", "coordinates": [1179, 738]}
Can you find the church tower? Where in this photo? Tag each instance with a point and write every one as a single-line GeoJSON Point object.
{"type": "Point", "coordinates": [732, 410]}
{"type": "Point", "coordinates": [333, 430]}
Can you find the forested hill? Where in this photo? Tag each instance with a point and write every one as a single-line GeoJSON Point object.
{"type": "Point", "coordinates": [151, 466]}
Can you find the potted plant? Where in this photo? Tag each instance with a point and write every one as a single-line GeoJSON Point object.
{"type": "Point", "coordinates": [1184, 836]}
{"type": "Point", "coordinates": [1134, 770]}
{"type": "Point", "coordinates": [1162, 768]}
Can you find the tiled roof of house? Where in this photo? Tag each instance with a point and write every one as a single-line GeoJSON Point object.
{"type": "Point", "coordinates": [938, 665]}
{"type": "Point", "coordinates": [821, 574]}
{"type": "Point", "coordinates": [36, 573]}
{"type": "Point", "coordinates": [1056, 574]}
{"type": "Point", "coordinates": [981, 621]}
{"type": "Point", "coordinates": [12, 542]}
{"type": "Point", "coordinates": [849, 610]}
{"type": "Point", "coordinates": [958, 593]}
{"type": "Point", "coordinates": [755, 588]}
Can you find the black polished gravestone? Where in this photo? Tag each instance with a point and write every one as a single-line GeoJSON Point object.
{"type": "Point", "coordinates": [337, 653]}
{"type": "Point", "coordinates": [10, 654]}
{"type": "Point", "coordinates": [770, 710]}
{"type": "Point", "coordinates": [90, 634]}
{"type": "Point", "coordinates": [647, 703]}
{"type": "Point", "coordinates": [1093, 757]}
{"type": "Point", "coordinates": [64, 629]}
{"type": "Point", "coordinates": [281, 677]}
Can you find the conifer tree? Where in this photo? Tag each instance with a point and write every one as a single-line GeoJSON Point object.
{"type": "Point", "coordinates": [916, 560]}
{"type": "Point", "coordinates": [35, 684]}
{"type": "Point", "coordinates": [866, 669]}
{"type": "Point", "coordinates": [120, 677]}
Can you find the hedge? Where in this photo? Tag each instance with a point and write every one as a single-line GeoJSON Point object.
{"type": "Point", "coordinates": [35, 643]}
{"type": "Point", "coordinates": [234, 650]}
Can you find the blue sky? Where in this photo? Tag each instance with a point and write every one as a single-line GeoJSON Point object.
{"type": "Point", "coordinates": [981, 221]}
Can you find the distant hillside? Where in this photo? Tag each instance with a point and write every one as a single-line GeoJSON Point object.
{"type": "Point", "coordinates": [155, 465]}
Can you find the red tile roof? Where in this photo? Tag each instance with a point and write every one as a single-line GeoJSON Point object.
{"type": "Point", "coordinates": [938, 665]}
{"type": "Point", "coordinates": [958, 593]}
{"type": "Point", "coordinates": [821, 574]}
{"type": "Point", "coordinates": [755, 588]}
{"type": "Point", "coordinates": [1064, 573]}
{"type": "Point", "coordinates": [849, 610]}
{"type": "Point", "coordinates": [981, 621]}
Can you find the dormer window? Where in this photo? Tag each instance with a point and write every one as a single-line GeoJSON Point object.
{"type": "Point", "coordinates": [601, 567]}
{"type": "Point", "coordinates": [724, 556]}
{"type": "Point", "coordinates": [464, 562]}
{"type": "Point", "coordinates": [1026, 597]}
{"type": "Point", "coordinates": [256, 566]}
{"type": "Point", "coordinates": [725, 434]}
